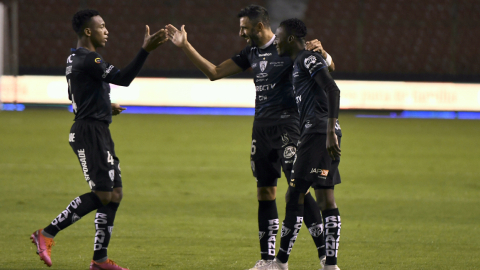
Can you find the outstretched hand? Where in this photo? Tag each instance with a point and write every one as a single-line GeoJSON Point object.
{"type": "Point", "coordinates": [316, 46]}
{"type": "Point", "coordinates": [151, 42]}
{"type": "Point", "coordinates": [178, 37]}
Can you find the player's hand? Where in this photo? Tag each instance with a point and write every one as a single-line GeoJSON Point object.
{"type": "Point", "coordinates": [316, 46]}
{"type": "Point", "coordinates": [151, 42]}
{"type": "Point", "coordinates": [332, 146]}
{"type": "Point", "coordinates": [178, 37]}
{"type": "Point", "coordinates": [116, 109]}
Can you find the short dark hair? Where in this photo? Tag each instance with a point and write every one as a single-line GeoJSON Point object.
{"type": "Point", "coordinates": [294, 27]}
{"type": "Point", "coordinates": [256, 14]}
{"type": "Point", "coordinates": [81, 18]}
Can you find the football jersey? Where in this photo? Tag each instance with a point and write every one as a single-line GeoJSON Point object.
{"type": "Point", "coordinates": [88, 77]}
{"type": "Point", "coordinates": [274, 102]}
{"type": "Point", "coordinates": [310, 97]}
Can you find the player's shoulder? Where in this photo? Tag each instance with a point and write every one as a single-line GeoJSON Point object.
{"type": "Point", "coordinates": [310, 58]}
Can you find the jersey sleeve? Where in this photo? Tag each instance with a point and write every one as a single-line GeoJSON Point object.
{"type": "Point", "coordinates": [241, 59]}
{"type": "Point", "coordinates": [98, 68]}
{"type": "Point", "coordinates": [313, 62]}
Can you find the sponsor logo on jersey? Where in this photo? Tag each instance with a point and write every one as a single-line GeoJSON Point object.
{"type": "Point", "coordinates": [277, 64]}
{"type": "Point", "coordinates": [107, 71]}
{"type": "Point", "coordinates": [254, 65]}
{"type": "Point", "coordinates": [310, 60]}
{"type": "Point", "coordinates": [262, 75]}
{"type": "Point", "coordinates": [308, 124]}
{"type": "Point", "coordinates": [322, 172]}
{"type": "Point", "coordinates": [262, 98]}
{"type": "Point", "coordinates": [265, 54]}
{"type": "Point", "coordinates": [98, 60]}
{"type": "Point", "coordinates": [263, 65]}
{"type": "Point", "coordinates": [289, 152]}
{"type": "Point", "coordinates": [266, 87]}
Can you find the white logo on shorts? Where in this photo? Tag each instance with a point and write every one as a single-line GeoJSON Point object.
{"type": "Point", "coordinates": [289, 151]}
{"type": "Point", "coordinates": [111, 173]}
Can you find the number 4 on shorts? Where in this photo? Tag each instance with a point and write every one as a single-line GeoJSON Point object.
{"type": "Point", "coordinates": [110, 158]}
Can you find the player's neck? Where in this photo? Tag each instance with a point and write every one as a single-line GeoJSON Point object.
{"type": "Point", "coordinates": [87, 44]}
{"type": "Point", "coordinates": [267, 35]}
{"type": "Point", "coordinates": [296, 50]}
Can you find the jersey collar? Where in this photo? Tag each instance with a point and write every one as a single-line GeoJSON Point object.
{"type": "Point", "coordinates": [268, 43]}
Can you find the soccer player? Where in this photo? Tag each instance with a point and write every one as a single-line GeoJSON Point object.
{"type": "Point", "coordinates": [318, 151]}
{"type": "Point", "coordinates": [88, 77]}
{"type": "Point", "coordinates": [276, 124]}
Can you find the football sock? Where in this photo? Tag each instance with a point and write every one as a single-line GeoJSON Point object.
{"type": "Point", "coordinates": [78, 208]}
{"type": "Point", "coordinates": [331, 219]}
{"type": "Point", "coordinates": [268, 226]}
{"type": "Point", "coordinates": [313, 220]}
{"type": "Point", "coordinates": [290, 228]}
{"type": "Point", "coordinates": [103, 230]}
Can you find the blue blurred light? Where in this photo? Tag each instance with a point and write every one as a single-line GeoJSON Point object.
{"type": "Point", "coordinates": [427, 115]}
{"type": "Point", "coordinates": [12, 107]}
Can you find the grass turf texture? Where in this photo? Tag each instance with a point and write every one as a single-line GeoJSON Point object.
{"type": "Point", "coordinates": [409, 197]}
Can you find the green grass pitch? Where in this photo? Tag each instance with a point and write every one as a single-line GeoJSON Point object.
{"type": "Point", "coordinates": [410, 197]}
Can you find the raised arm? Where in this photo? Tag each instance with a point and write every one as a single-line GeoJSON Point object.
{"type": "Point", "coordinates": [213, 72]}
{"type": "Point", "coordinates": [316, 46]}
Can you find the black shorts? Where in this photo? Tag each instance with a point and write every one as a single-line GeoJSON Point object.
{"type": "Point", "coordinates": [92, 143]}
{"type": "Point", "coordinates": [273, 148]}
{"type": "Point", "coordinates": [313, 164]}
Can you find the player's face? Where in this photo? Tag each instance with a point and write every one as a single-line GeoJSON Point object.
{"type": "Point", "coordinates": [248, 31]}
{"type": "Point", "coordinates": [281, 41]}
{"type": "Point", "coordinates": [99, 33]}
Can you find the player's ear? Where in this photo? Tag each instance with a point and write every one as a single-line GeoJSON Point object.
{"type": "Point", "coordinates": [260, 26]}
{"type": "Point", "coordinates": [291, 38]}
{"type": "Point", "coordinates": [87, 32]}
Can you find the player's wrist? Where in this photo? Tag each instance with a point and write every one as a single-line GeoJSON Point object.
{"type": "Point", "coordinates": [328, 59]}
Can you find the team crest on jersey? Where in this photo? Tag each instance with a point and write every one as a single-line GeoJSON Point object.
{"type": "Point", "coordinates": [289, 151]}
{"type": "Point", "coordinates": [263, 65]}
{"type": "Point", "coordinates": [98, 60]}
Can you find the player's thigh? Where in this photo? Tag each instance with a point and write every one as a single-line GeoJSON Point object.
{"type": "Point", "coordinates": [91, 142]}
{"type": "Point", "coordinates": [313, 163]}
{"type": "Point", "coordinates": [265, 163]}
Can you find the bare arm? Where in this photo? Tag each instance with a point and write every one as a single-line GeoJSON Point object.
{"type": "Point", "coordinates": [213, 72]}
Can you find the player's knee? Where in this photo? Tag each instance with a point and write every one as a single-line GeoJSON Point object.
{"type": "Point", "coordinates": [117, 195]}
{"type": "Point", "coordinates": [104, 196]}
{"type": "Point", "coordinates": [266, 193]}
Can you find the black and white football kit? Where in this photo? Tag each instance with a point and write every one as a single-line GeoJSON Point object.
{"type": "Point", "coordinates": [312, 162]}
{"type": "Point", "coordinates": [275, 128]}
{"type": "Point", "coordinates": [88, 77]}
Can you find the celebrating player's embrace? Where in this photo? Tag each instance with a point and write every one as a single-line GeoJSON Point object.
{"type": "Point", "coordinates": [276, 135]}
{"type": "Point", "coordinates": [88, 77]}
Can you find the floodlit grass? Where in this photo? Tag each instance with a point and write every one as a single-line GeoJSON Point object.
{"type": "Point", "coordinates": [410, 195]}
